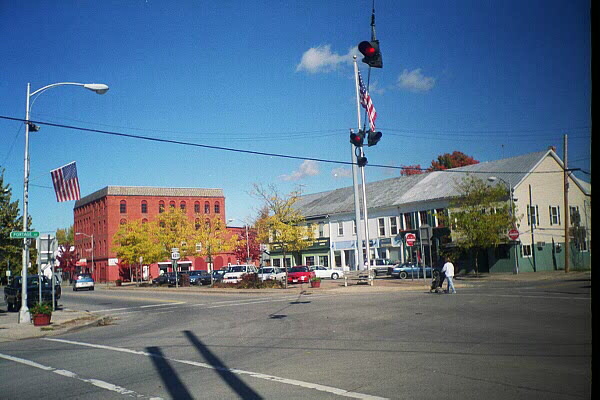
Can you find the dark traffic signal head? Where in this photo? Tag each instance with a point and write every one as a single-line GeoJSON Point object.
{"type": "Point", "coordinates": [357, 139]}
{"type": "Point", "coordinates": [371, 53]}
{"type": "Point", "coordinates": [373, 138]}
{"type": "Point", "coordinates": [361, 161]}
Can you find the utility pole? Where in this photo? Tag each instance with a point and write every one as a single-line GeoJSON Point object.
{"type": "Point", "coordinates": [566, 200]}
{"type": "Point", "coordinates": [358, 256]}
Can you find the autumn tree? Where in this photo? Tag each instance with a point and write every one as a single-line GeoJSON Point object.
{"type": "Point", "coordinates": [135, 239]}
{"type": "Point", "coordinates": [65, 236]}
{"type": "Point", "coordinates": [408, 170]}
{"type": "Point", "coordinates": [480, 216]}
{"type": "Point", "coordinates": [281, 224]}
{"type": "Point", "coordinates": [448, 161]}
{"type": "Point", "coordinates": [247, 246]}
{"type": "Point", "coordinates": [212, 238]}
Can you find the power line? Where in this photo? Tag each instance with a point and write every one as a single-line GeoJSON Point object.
{"type": "Point", "coordinates": [260, 153]}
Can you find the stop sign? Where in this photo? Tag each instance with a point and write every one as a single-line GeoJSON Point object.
{"type": "Point", "coordinates": [513, 234]}
{"type": "Point", "coordinates": [410, 238]}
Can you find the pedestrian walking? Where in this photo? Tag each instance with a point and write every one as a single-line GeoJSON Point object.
{"type": "Point", "coordinates": [448, 270]}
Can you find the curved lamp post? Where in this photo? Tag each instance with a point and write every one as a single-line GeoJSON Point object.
{"type": "Point", "coordinates": [99, 88]}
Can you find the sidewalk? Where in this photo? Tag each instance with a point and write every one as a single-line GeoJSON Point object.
{"type": "Point", "coordinates": [62, 321]}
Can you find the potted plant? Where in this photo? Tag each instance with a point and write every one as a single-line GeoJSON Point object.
{"type": "Point", "coordinates": [118, 282]}
{"type": "Point", "coordinates": [315, 282]}
{"type": "Point", "coordinates": [41, 314]}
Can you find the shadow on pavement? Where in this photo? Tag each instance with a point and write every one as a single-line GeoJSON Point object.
{"type": "Point", "coordinates": [236, 384]}
{"type": "Point", "coordinates": [174, 385]}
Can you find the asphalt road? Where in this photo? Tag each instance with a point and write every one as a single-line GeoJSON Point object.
{"type": "Point", "coordinates": [496, 340]}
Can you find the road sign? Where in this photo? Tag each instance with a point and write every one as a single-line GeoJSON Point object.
{"type": "Point", "coordinates": [513, 234]}
{"type": "Point", "coordinates": [24, 235]}
{"type": "Point", "coordinates": [410, 238]}
{"type": "Point", "coordinates": [175, 256]}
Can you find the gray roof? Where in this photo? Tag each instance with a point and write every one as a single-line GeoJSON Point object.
{"type": "Point", "coordinates": [148, 191]}
{"type": "Point", "coordinates": [406, 190]}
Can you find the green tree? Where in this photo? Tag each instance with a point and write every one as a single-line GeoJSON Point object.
{"type": "Point", "coordinates": [10, 220]}
{"type": "Point", "coordinates": [280, 224]}
{"type": "Point", "coordinates": [65, 236]}
{"type": "Point", "coordinates": [480, 216]}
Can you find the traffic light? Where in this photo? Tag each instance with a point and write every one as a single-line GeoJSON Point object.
{"type": "Point", "coordinates": [357, 139]}
{"type": "Point", "coordinates": [373, 138]}
{"type": "Point", "coordinates": [371, 53]}
{"type": "Point", "coordinates": [361, 161]}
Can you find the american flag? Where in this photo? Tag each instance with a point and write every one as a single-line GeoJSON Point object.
{"type": "Point", "coordinates": [365, 101]}
{"type": "Point", "coordinates": [66, 184]}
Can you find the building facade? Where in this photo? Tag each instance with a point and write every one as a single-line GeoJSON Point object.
{"type": "Point", "coordinates": [407, 204]}
{"type": "Point", "coordinates": [98, 216]}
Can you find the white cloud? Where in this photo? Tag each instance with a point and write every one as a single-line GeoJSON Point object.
{"type": "Point", "coordinates": [341, 172]}
{"type": "Point", "coordinates": [415, 81]}
{"type": "Point", "coordinates": [307, 168]}
{"type": "Point", "coordinates": [321, 59]}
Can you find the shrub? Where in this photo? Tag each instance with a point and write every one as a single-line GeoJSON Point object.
{"type": "Point", "coordinates": [41, 308]}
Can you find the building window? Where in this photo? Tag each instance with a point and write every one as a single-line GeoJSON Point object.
{"type": "Point", "coordinates": [554, 215]}
{"type": "Point", "coordinates": [393, 225]}
{"type": "Point", "coordinates": [197, 223]}
{"type": "Point", "coordinates": [123, 221]}
{"type": "Point", "coordinates": [532, 215]}
{"type": "Point", "coordinates": [310, 260]}
{"type": "Point", "coordinates": [340, 228]}
{"type": "Point", "coordinates": [217, 207]}
{"type": "Point", "coordinates": [381, 225]}
{"type": "Point", "coordinates": [172, 205]}
{"type": "Point", "coordinates": [206, 207]}
{"type": "Point", "coordinates": [182, 206]}
{"type": "Point", "coordinates": [321, 229]}
{"type": "Point", "coordinates": [526, 250]}
{"type": "Point", "coordinates": [197, 207]}
{"type": "Point", "coordinates": [144, 207]}
{"type": "Point", "coordinates": [408, 221]}
{"type": "Point", "coordinates": [123, 207]}
{"type": "Point", "coordinates": [161, 207]}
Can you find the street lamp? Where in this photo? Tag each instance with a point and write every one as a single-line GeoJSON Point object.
{"type": "Point", "coordinates": [92, 237]}
{"type": "Point", "coordinates": [99, 88]}
{"type": "Point", "coordinates": [512, 211]}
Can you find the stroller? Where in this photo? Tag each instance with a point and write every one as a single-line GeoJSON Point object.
{"type": "Point", "coordinates": [437, 281]}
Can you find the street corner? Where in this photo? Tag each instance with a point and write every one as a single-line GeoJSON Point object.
{"type": "Point", "coordinates": [62, 321]}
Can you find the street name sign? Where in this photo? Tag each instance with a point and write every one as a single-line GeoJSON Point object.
{"type": "Point", "coordinates": [24, 235]}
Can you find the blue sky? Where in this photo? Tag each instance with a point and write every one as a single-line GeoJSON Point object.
{"type": "Point", "coordinates": [491, 79]}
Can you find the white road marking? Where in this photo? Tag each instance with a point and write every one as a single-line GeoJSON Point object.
{"type": "Point", "coordinates": [273, 378]}
{"type": "Point", "coordinates": [96, 382]}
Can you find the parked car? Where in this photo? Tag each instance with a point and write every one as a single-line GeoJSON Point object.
{"type": "Point", "coordinates": [235, 272]}
{"type": "Point", "coordinates": [382, 266]}
{"type": "Point", "coordinates": [300, 273]}
{"type": "Point", "coordinates": [12, 292]}
{"type": "Point", "coordinates": [199, 277]}
{"type": "Point", "coordinates": [83, 281]}
{"type": "Point", "coordinates": [271, 273]}
{"type": "Point", "coordinates": [412, 270]}
{"type": "Point", "coordinates": [324, 272]}
{"type": "Point", "coordinates": [218, 275]}
{"type": "Point", "coordinates": [168, 278]}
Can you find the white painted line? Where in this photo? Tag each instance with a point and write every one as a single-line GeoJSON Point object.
{"type": "Point", "coordinates": [273, 378]}
{"type": "Point", "coordinates": [136, 307]}
{"type": "Point", "coordinates": [96, 382]}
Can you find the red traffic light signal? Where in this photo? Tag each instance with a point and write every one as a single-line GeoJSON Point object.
{"type": "Point", "coordinates": [357, 139]}
{"type": "Point", "coordinates": [371, 53]}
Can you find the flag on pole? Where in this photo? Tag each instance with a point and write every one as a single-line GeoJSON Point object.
{"type": "Point", "coordinates": [66, 184]}
{"type": "Point", "coordinates": [365, 101]}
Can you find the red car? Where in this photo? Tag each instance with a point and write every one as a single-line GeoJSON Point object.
{"type": "Point", "coordinates": [300, 274]}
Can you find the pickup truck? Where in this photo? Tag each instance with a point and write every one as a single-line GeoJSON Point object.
{"type": "Point", "coordinates": [12, 292]}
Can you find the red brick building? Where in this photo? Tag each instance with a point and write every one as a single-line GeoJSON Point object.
{"type": "Point", "coordinates": [98, 216]}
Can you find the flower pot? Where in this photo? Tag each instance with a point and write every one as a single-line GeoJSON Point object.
{"type": "Point", "coordinates": [315, 283]}
{"type": "Point", "coordinates": [118, 282]}
{"type": "Point", "coordinates": [41, 319]}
